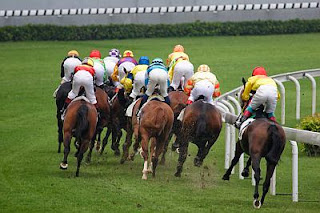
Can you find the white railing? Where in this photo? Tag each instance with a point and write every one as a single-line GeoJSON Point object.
{"type": "Point", "coordinates": [228, 101]}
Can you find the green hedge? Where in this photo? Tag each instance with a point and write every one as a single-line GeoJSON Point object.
{"type": "Point", "coordinates": [124, 31]}
{"type": "Point", "coordinates": [311, 123]}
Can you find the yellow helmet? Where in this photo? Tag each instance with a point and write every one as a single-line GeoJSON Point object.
{"type": "Point", "coordinates": [178, 48]}
{"type": "Point", "coordinates": [127, 53]}
{"type": "Point", "coordinates": [203, 68]}
{"type": "Point", "coordinates": [73, 53]}
{"type": "Point", "coordinates": [88, 61]}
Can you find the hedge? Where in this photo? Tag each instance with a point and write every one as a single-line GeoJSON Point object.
{"type": "Point", "coordinates": [125, 31]}
{"type": "Point", "coordinates": [311, 123]}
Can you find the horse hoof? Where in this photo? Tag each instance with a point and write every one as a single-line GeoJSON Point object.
{"type": "Point", "coordinates": [63, 166]}
{"type": "Point", "coordinates": [245, 174]}
{"type": "Point", "coordinates": [117, 152]}
{"type": "Point", "coordinates": [122, 161]}
{"type": "Point", "coordinates": [225, 177]}
{"type": "Point", "coordinates": [144, 177]}
{"type": "Point", "coordinates": [256, 203]}
{"type": "Point", "coordinates": [177, 151]}
{"type": "Point", "coordinates": [177, 174]}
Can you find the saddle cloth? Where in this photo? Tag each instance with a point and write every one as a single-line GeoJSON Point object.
{"type": "Point", "coordinates": [81, 98]}
{"type": "Point", "coordinates": [244, 126]}
{"type": "Point", "coordinates": [180, 117]}
{"type": "Point", "coordinates": [130, 108]}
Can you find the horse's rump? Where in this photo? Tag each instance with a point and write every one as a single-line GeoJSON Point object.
{"type": "Point", "coordinates": [277, 147]}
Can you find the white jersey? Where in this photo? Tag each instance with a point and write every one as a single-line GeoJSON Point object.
{"type": "Point", "coordinates": [68, 65]}
{"type": "Point", "coordinates": [110, 63]}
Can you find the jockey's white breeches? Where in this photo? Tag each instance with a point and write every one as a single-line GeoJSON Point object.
{"type": "Point", "coordinates": [99, 73]}
{"type": "Point", "coordinates": [69, 65]}
{"type": "Point", "coordinates": [205, 88]}
{"type": "Point", "coordinates": [109, 66]}
{"type": "Point", "coordinates": [160, 77]}
{"type": "Point", "coordinates": [138, 83]}
{"type": "Point", "coordinates": [83, 78]}
{"type": "Point", "coordinates": [265, 94]}
{"type": "Point", "coordinates": [124, 68]}
{"type": "Point", "coordinates": [182, 69]}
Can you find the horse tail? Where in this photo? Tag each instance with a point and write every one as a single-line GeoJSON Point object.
{"type": "Point", "coordinates": [201, 126]}
{"type": "Point", "coordinates": [273, 155]}
{"type": "Point", "coordinates": [82, 123]}
{"type": "Point", "coordinates": [160, 123]}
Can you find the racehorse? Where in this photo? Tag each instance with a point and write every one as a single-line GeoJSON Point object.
{"type": "Point", "coordinates": [118, 119]}
{"type": "Point", "coordinates": [156, 120]}
{"type": "Point", "coordinates": [80, 121]}
{"type": "Point", "coordinates": [262, 138]}
{"type": "Point", "coordinates": [178, 101]}
{"type": "Point", "coordinates": [201, 124]}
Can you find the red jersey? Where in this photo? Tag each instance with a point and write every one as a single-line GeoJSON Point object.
{"type": "Point", "coordinates": [86, 68]}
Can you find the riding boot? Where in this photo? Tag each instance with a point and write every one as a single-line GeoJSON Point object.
{"type": "Point", "coordinates": [143, 101]}
{"type": "Point", "coordinates": [167, 100]}
{"type": "Point", "coordinates": [66, 104]}
{"type": "Point", "coordinates": [170, 89]}
{"type": "Point", "coordinates": [271, 117]}
{"type": "Point", "coordinates": [189, 102]}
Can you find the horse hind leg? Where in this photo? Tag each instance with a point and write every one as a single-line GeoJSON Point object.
{"type": "Point", "coordinates": [88, 159]}
{"type": "Point", "coordinates": [66, 143]}
{"type": "Point", "coordinates": [266, 184]}
{"type": "Point", "coordinates": [126, 146]}
{"type": "Point", "coordinates": [144, 154]}
{"type": "Point", "coordinates": [105, 140]}
{"type": "Point", "coordinates": [245, 172]}
{"type": "Point", "coordinates": [183, 152]}
{"type": "Point", "coordinates": [234, 161]}
{"type": "Point", "coordinates": [256, 168]}
{"type": "Point", "coordinates": [82, 150]}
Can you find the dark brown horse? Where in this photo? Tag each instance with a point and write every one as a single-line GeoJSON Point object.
{"type": "Point", "coordinates": [201, 124]}
{"type": "Point", "coordinates": [262, 138]}
{"type": "Point", "coordinates": [156, 120]}
{"type": "Point", "coordinates": [80, 121]}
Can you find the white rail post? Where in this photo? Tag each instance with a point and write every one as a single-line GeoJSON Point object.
{"type": "Point", "coordinates": [232, 134]}
{"type": "Point", "coordinates": [294, 171]}
{"type": "Point", "coordinates": [296, 82]}
{"type": "Point", "coordinates": [314, 92]}
{"type": "Point", "coordinates": [241, 160]}
{"type": "Point", "coordinates": [226, 138]}
{"type": "Point", "coordinates": [273, 182]}
{"type": "Point", "coordinates": [283, 101]}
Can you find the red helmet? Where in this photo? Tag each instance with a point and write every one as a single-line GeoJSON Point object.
{"type": "Point", "coordinates": [259, 71]}
{"type": "Point", "coordinates": [95, 54]}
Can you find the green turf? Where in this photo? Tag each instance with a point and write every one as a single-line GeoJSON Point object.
{"type": "Point", "coordinates": [30, 178]}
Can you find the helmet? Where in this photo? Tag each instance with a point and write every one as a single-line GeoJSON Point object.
{"type": "Point", "coordinates": [157, 61]}
{"type": "Point", "coordinates": [114, 53]}
{"type": "Point", "coordinates": [259, 71]}
{"type": "Point", "coordinates": [88, 61]}
{"type": "Point", "coordinates": [144, 60]}
{"type": "Point", "coordinates": [178, 48]}
{"type": "Point", "coordinates": [128, 53]}
{"type": "Point", "coordinates": [73, 53]}
{"type": "Point", "coordinates": [95, 54]}
{"type": "Point", "coordinates": [203, 68]}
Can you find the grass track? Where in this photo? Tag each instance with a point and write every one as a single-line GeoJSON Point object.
{"type": "Point", "coordinates": [32, 182]}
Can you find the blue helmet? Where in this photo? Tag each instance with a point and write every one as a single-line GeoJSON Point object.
{"type": "Point", "coordinates": [144, 60]}
{"type": "Point", "coordinates": [157, 61]}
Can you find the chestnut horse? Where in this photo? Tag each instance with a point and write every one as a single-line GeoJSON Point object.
{"type": "Point", "coordinates": [262, 138]}
{"type": "Point", "coordinates": [201, 124]}
{"type": "Point", "coordinates": [80, 119]}
{"type": "Point", "coordinates": [156, 120]}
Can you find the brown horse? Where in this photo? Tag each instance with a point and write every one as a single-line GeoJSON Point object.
{"type": "Point", "coordinates": [262, 138]}
{"type": "Point", "coordinates": [201, 124]}
{"type": "Point", "coordinates": [156, 120]}
{"type": "Point", "coordinates": [80, 121]}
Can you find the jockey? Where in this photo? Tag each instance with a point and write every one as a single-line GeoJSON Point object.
{"type": "Point", "coordinates": [67, 67]}
{"type": "Point", "coordinates": [203, 82]}
{"type": "Point", "coordinates": [99, 67]}
{"type": "Point", "coordinates": [135, 79]}
{"type": "Point", "coordinates": [176, 56]}
{"type": "Point", "coordinates": [156, 73]}
{"type": "Point", "coordinates": [124, 66]}
{"type": "Point", "coordinates": [265, 92]}
{"type": "Point", "coordinates": [83, 76]}
{"type": "Point", "coordinates": [110, 62]}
